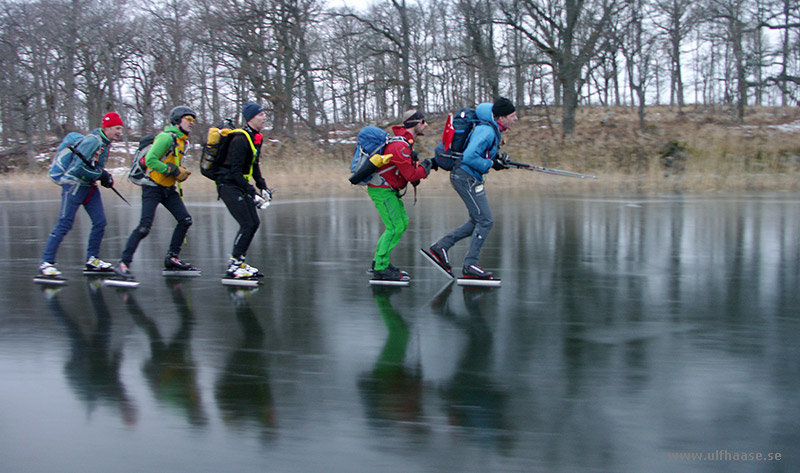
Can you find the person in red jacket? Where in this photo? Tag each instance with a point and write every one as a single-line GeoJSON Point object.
{"type": "Point", "coordinates": [395, 175]}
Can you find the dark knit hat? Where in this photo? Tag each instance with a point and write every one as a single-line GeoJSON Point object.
{"type": "Point", "coordinates": [251, 109]}
{"type": "Point", "coordinates": [502, 107]}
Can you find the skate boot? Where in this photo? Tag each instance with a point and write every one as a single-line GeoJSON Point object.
{"type": "Point", "coordinates": [123, 277]}
{"type": "Point", "coordinates": [238, 274]}
{"type": "Point", "coordinates": [392, 267]}
{"type": "Point", "coordinates": [95, 265]}
{"type": "Point", "coordinates": [49, 274]}
{"type": "Point", "coordinates": [473, 271]}
{"type": "Point", "coordinates": [440, 255]}
{"type": "Point", "coordinates": [174, 266]}
{"type": "Point", "coordinates": [251, 269]}
{"type": "Point", "coordinates": [49, 270]}
{"type": "Point", "coordinates": [389, 277]}
{"type": "Point", "coordinates": [474, 275]}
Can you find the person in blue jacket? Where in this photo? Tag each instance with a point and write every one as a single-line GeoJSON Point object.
{"type": "Point", "coordinates": [481, 155]}
{"type": "Point", "coordinates": [83, 191]}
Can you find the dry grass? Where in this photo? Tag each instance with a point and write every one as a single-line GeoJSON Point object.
{"type": "Point", "coordinates": [710, 152]}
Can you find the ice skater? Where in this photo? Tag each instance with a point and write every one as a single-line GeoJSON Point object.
{"type": "Point", "coordinates": [164, 173]}
{"type": "Point", "coordinates": [79, 188]}
{"type": "Point", "coordinates": [395, 175]}
{"type": "Point", "coordinates": [480, 155]}
{"type": "Point", "coordinates": [239, 163]}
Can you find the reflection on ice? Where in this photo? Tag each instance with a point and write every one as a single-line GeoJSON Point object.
{"type": "Point", "coordinates": [625, 330]}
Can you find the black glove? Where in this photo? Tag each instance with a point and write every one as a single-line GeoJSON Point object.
{"type": "Point", "coordinates": [106, 179]}
{"type": "Point", "coordinates": [172, 170]}
{"type": "Point", "coordinates": [427, 164]}
{"type": "Point", "coordinates": [500, 162]}
{"type": "Point", "coordinates": [414, 156]}
{"type": "Point", "coordinates": [434, 164]}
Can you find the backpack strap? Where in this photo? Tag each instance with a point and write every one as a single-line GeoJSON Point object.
{"type": "Point", "coordinates": [166, 154]}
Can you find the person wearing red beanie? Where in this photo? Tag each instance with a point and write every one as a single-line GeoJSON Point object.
{"type": "Point", "coordinates": [80, 189]}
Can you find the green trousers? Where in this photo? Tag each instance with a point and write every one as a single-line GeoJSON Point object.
{"type": "Point", "coordinates": [395, 219]}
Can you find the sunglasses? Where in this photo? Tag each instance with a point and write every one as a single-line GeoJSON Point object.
{"type": "Point", "coordinates": [189, 118]}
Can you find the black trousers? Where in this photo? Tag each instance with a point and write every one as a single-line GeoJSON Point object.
{"type": "Point", "coordinates": [243, 209]}
{"type": "Point", "coordinates": [151, 197]}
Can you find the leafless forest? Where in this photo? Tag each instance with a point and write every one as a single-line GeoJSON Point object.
{"type": "Point", "coordinates": [66, 62]}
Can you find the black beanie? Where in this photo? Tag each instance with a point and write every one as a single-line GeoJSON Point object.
{"type": "Point", "coordinates": [502, 107]}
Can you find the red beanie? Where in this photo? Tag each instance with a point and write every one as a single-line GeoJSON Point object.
{"type": "Point", "coordinates": [111, 119]}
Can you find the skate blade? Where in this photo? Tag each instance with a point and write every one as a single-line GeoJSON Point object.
{"type": "Point", "coordinates": [441, 268]}
{"type": "Point", "coordinates": [249, 282]}
{"type": "Point", "coordinates": [93, 272]}
{"type": "Point", "coordinates": [478, 282]}
{"type": "Point", "coordinates": [117, 282]}
{"type": "Point", "coordinates": [386, 282]}
{"type": "Point", "coordinates": [50, 280]}
{"type": "Point", "coordinates": [180, 273]}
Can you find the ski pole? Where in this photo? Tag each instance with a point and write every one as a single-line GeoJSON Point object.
{"type": "Point", "coordinates": [86, 161]}
{"type": "Point", "coordinates": [120, 196]}
{"type": "Point", "coordinates": [557, 172]}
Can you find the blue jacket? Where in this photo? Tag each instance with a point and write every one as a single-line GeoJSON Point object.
{"type": "Point", "coordinates": [483, 144]}
{"type": "Point", "coordinates": [94, 147]}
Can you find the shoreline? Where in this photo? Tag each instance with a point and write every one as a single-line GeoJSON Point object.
{"type": "Point", "coordinates": [326, 183]}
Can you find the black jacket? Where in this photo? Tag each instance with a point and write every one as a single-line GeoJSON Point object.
{"type": "Point", "coordinates": [238, 158]}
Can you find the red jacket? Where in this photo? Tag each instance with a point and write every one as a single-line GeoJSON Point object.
{"type": "Point", "coordinates": [401, 168]}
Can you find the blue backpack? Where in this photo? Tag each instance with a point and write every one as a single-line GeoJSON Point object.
{"type": "Point", "coordinates": [371, 141]}
{"type": "Point", "coordinates": [66, 167]}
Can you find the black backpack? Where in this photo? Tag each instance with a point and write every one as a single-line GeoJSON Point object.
{"type": "Point", "coordinates": [457, 131]}
{"type": "Point", "coordinates": [215, 148]}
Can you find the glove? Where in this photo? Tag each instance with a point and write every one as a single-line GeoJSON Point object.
{"type": "Point", "coordinates": [266, 193]}
{"type": "Point", "coordinates": [434, 164]}
{"type": "Point", "coordinates": [261, 203]}
{"type": "Point", "coordinates": [500, 162]}
{"type": "Point", "coordinates": [172, 170]}
{"type": "Point", "coordinates": [106, 179]}
{"type": "Point", "coordinates": [183, 174]}
{"type": "Point", "coordinates": [427, 164]}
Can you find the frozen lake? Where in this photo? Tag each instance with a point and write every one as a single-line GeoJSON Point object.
{"type": "Point", "coordinates": [628, 332]}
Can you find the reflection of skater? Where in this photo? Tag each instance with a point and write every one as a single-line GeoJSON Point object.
{"type": "Point", "coordinates": [391, 391]}
{"type": "Point", "coordinates": [479, 157]}
{"type": "Point", "coordinates": [170, 371]}
{"type": "Point", "coordinates": [93, 367]}
{"type": "Point", "coordinates": [80, 189]}
{"type": "Point", "coordinates": [242, 391]}
{"type": "Point", "coordinates": [474, 401]}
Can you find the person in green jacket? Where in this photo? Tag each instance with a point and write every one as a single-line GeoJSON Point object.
{"type": "Point", "coordinates": [164, 172]}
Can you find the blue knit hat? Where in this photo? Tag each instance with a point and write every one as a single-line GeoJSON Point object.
{"type": "Point", "coordinates": [251, 109]}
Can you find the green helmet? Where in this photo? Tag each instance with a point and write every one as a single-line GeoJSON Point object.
{"type": "Point", "coordinates": [177, 113]}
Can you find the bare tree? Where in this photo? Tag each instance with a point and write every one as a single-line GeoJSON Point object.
{"type": "Point", "coordinates": [569, 32]}
{"type": "Point", "coordinates": [677, 19]}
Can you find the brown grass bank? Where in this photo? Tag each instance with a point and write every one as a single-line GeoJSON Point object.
{"type": "Point", "coordinates": [697, 150]}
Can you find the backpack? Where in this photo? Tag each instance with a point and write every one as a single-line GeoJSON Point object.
{"type": "Point", "coordinates": [139, 172]}
{"type": "Point", "coordinates": [455, 138]}
{"type": "Point", "coordinates": [213, 154]}
{"type": "Point", "coordinates": [67, 168]}
{"type": "Point", "coordinates": [371, 141]}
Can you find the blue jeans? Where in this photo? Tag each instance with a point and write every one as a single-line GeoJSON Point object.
{"type": "Point", "coordinates": [480, 222]}
{"type": "Point", "coordinates": [151, 197]}
{"type": "Point", "coordinates": [72, 197]}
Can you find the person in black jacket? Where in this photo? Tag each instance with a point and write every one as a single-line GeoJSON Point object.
{"type": "Point", "coordinates": [241, 163]}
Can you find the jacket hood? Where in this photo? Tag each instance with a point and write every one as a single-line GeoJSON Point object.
{"type": "Point", "coordinates": [484, 112]}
